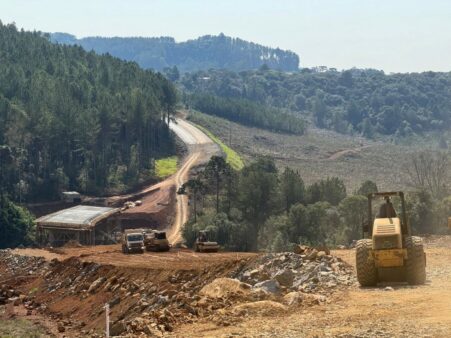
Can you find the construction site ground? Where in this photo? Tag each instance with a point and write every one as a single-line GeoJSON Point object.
{"type": "Point", "coordinates": [175, 259]}
{"type": "Point", "coordinates": [389, 310]}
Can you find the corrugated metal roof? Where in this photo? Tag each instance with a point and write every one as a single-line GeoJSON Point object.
{"type": "Point", "coordinates": [78, 217]}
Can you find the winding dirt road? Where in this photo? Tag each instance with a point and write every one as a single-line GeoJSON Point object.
{"type": "Point", "coordinates": [200, 146]}
{"type": "Point", "coordinates": [158, 199]}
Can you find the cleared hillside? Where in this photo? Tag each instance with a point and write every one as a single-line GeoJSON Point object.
{"type": "Point", "coordinates": [319, 153]}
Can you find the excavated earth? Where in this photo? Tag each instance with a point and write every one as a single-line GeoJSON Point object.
{"type": "Point", "coordinates": [185, 294]}
{"type": "Point", "coordinates": [153, 294]}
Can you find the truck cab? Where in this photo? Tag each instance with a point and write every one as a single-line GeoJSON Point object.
{"type": "Point", "coordinates": [132, 241]}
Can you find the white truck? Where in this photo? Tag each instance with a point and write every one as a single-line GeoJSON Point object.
{"type": "Point", "coordinates": [132, 241]}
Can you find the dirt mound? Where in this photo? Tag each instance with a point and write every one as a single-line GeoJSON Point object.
{"type": "Point", "coordinates": [155, 298]}
{"type": "Point", "coordinates": [223, 287]}
{"type": "Point", "coordinates": [72, 244]}
{"type": "Point", "coordinates": [73, 292]}
{"type": "Point", "coordinates": [263, 308]}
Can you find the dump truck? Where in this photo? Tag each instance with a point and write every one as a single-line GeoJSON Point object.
{"type": "Point", "coordinates": [388, 248]}
{"type": "Point", "coordinates": [132, 241]}
{"type": "Point", "coordinates": [155, 240]}
{"type": "Point", "coordinates": [204, 244]}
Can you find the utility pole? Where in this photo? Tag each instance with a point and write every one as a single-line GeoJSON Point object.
{"type": "Point", "coordinates": [107, 318]}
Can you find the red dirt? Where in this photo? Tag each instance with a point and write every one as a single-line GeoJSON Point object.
{"type": "Point", "coordinates": [161, 207]}
{"type": "Point", "coordinates": [65, 299]}
{"type": "Point", "coordinates": [175, 259]}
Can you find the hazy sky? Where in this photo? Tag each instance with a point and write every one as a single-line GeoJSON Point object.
{"type": "Point", "coordinates": [393, 35]}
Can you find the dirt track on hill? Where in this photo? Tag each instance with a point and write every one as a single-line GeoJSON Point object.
{"type": "Point", "coordinates": [347, 152]}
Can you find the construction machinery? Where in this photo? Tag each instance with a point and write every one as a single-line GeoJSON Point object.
{"type": "Point", "coordinates": [132, 241]}
{"type": "Point", "coordinates": [204, 244]}
{"type": "Point", "coordinates": [388, 248]}
{"type": "Point", "coordinates": [155, 240]}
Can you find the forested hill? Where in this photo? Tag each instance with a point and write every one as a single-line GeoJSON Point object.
{"type": "Point", "coordinates": [70, 119]}
{"type": "Point", "coordinates": [353, 101]}
{"type": "Point", "coordinates": [218, 52]}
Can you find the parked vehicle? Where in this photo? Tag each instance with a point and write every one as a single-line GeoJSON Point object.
{"type": "Point", "coordinates": [132, 241]}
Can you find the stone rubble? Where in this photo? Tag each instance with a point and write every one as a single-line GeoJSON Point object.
{"type": "Point", "coordinates": [312, 271]}
{"type": "Point", "coordinates": [144, 308]}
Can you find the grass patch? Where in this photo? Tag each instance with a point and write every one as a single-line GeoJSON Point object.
{"type": "Point", "coordinates": [232, 157]}
{"type": "Point", "coordinates": [165, 167]}
{"type": "Point", "coordinates": [19, 328]}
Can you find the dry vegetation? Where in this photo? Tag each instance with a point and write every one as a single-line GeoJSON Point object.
{"type": "Point", "coordinates": [320, 153]}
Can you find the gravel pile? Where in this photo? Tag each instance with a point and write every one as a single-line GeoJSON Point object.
{"type": "Point", "coordinates": [19, 265]}
{"type": "Point", "coordinates": [312, 271]}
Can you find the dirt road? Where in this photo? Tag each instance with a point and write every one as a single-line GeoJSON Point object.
{"type": "Point", "coordinates": [393, 311]}
{"type": "Point", "coordinates": [200, 147]}
{"type": "Point", "coordinates": [347, 152]}
{"type": "Point", "coordinates": [158, 199]}
{"type": "Point", "coordinates": [175, 259]}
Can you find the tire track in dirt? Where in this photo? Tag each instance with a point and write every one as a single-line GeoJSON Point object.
{"type": "Point", "coordinates": [344, 152]}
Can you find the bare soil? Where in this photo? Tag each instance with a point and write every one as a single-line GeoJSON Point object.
{"type": "Point", "coordinates": [389, 310]}
{"type": "Point", "coordinates": [398, 310]}
{"type": "Point", "coordinates": [161, 207]}
{"type": "Point", "coordinates": [175, 259]}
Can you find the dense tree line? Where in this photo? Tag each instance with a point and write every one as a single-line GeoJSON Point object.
{"type": "Point", "coordinates": [260, 208]}
{"type": "Point", "coordinates": [219, 52]}
{"type": "Point", "coordinates": [247, 112]}
{"type": "Point", "coordinates": [16, 225]}
{"type": "Point", "coordinates": [368, 102]}
{"type": "Point", "coordinates": [70, 119]}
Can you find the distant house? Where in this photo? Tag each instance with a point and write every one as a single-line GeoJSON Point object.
{"type": "Point", "coordinates": [71, 197]}
{"type": "Point", "coordinates": [88, 225]}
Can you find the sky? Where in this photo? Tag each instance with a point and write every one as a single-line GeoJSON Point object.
{"type": "Point", "coordinates": [391, 35]}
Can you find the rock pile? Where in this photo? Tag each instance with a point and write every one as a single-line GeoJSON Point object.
{"type": "Point", "coordinates": [311, 271]}
{"type": "Point", "coordinates": [10, 295]}
{"type": "Point", "coordinates": [19, 265]}
{"type": "Point", "coordinates": [143, 306]}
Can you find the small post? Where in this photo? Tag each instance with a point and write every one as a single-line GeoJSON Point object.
{"type": "Point", "coordinates": [107, 318]}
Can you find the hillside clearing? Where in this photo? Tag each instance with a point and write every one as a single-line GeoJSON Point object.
{"type": "Point", "coordinates": [320, 153]}
{"type": "Point", "coordinates": [232, 156]}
